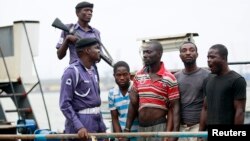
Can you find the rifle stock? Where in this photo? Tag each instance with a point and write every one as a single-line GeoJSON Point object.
{"type": "Point", "coordinates": [58, 24]}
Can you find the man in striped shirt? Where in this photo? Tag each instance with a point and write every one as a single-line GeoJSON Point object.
{"type": "Point", "coordinates": [119, 98]}
{"type": "Point", "coordinates": [154, 94]}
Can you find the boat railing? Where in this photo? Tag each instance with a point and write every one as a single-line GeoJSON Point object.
{"type": "Point", "coordinates": [94, 136]}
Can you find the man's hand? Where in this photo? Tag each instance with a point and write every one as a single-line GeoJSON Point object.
{"type": "Point", "coordinates": [71, 38]}
{"type": "Point", "coordinates": [166, 139]}
{"type": "Point", "coordinates": [83, 134]}
{"type": "Point", "coordinates": [123, 139]}
{"type": "Point", "coordinates": [200, 139]}
{"type": "Point", "coordinates": [126, 130]}
{"type": "Point", "coordinates": [172, 139]}
{"type": "Point", "coordinates": [106, 139]}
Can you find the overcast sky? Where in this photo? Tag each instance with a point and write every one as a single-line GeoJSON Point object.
{"type": "Point", "coordinates": [121, 22]}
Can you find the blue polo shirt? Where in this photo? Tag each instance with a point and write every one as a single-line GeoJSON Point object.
{"type": "Point", "coordinates": [120, 103]}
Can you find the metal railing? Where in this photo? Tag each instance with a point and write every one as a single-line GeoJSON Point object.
{"type": "Point", "coordinates": [107, 135]}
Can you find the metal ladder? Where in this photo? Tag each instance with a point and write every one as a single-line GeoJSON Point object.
{"type": "Point", "coordinates": [16, 92]}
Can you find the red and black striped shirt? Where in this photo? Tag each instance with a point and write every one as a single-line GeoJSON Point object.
{"type": "Point", "coordinates": [155, 93]}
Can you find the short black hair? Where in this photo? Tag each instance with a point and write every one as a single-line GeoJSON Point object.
{"type": "Point", "coordinates": [156, 44]}
{"type": "Point", "coordinates": [223, 52]}
{"type": "Point", "coordinates": [188, 42]}
{"type": "Point", "coordinates": [121, 64]}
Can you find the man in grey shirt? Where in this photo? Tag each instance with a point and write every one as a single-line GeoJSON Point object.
{"type": "Point", "coordinates": [190, 81]}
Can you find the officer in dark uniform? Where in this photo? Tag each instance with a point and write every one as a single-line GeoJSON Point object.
{"type": "Point", "coordinates": [79, 96]}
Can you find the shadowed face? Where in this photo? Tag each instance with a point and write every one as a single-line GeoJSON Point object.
{"type": "Point", "coordinates": [122, 76]}
{"type": "Point", "coordinates": [188, 54]}
{"type": "Point", "coordinates": [215, 61]}
{"type": "Point", "coordinates": [94, 52]}
{"type": "Point", "coordinates": [85, 14]}
{"type": "Point", "coordinates": [150, 55]}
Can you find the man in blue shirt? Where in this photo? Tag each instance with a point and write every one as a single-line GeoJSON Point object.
{"type": "Point", "coordinates": [82, 29]}
{"type": "Point", "coordinates": [79, 95]}
{"type": "Point", "coordinates": [119, 98]}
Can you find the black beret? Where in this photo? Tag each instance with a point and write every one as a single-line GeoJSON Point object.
{"type": "Point", "coordinates": [84, 4]}
{"type": "Point", "coordinates": [86, 42]}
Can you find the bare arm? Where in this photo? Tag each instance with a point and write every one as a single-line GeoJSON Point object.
{"type": "Point", "coordinates": [83, 134]}
{"type": "Point", "coordinates": [61, 52]}
{"type": "Point", "coordinates": [203, 118]}
{"type": "Point", "coordinates": [176, 116]}
{"type": "Point", "coordinates": [239, 88]}
{"type": "Point", "coordinates": [170, 123]}
{"type": "Point", "coordinates": [132, 109]}
{"type": "Point", "coordinates": [239, 106]}
{"type": "Point", "coordinates": [115, 121]}
{"type": "Point", "coordinates": [175, 119]}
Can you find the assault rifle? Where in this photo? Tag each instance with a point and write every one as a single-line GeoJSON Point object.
{"type": "Point", "coordinates": [58, 24]}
